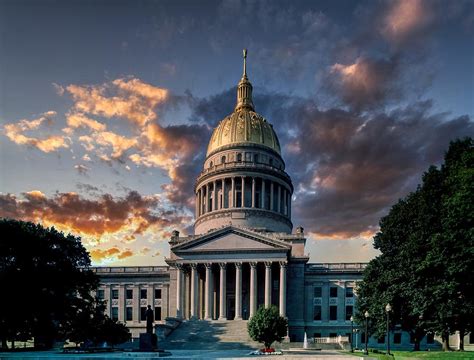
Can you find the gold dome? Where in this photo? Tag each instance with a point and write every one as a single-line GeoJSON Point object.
{"type": "Point", "coordinates": [243, 127]}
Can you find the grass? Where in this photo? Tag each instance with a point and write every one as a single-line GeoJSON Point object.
{"type": "Point", "coordinates": [421, 355]}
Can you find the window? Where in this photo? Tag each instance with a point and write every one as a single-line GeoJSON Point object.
{"type": "Point", "coordinates": [471, 337]}
{"type": "Point", "coordinates": [332, 335]}
{"type": "Point", "coordinates": [362, 338]}
{"type": "Point", "coordinates": [211, 164]}
{"type": "Point", "coordinates": [255, 158]}
{"type": "Point", "coordinates": [158, 313]}
{"type": "Point", "coordinates": [412, 338]}
{"type": "Point", "coordinates": [317, 312]}
{"type": "Point", "coordinates": [115, 313]}
{"type": "Point", "coordinates": [349, 312]}
{"type": "Point", "coordinates": [318, 291]}
{"type": "Point", "coordinates": [115, 294]}
{"type": "Point", "coordinates": [317, 335]}
{"type": "Point", "coordinates": [239, 157]}
{"type": "Point", "coordinates": [129, 294]}
{"type": "Point", "coordinates": [143, 294]}
{"type": "Point", "coordinates": [349, 292]}
{"type": "Point", "coordinates": [129, 313]}
{"type": "Point", "coordinates": [397, 338]}
{"type": "Point", "coordinates": [270, 162]}
{"type": "Point", "coordinates": [100, 294]}
{"type": "Point", "coordinates": [430, 338]}
{"type": "Point", "coordinates": [333, 291]}
{"type": "Point", "coordinates": [157, 293]}
{"type": "Point", "coordinates": [381, 340]}
{"type": "Point", "coordinates": [223, 159]}
{"type": "Point", "coordinates": [143, 313]}
{"type": "Point", "coordinates": [332, 312]}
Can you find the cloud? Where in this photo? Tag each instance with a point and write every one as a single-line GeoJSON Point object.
{"type": "Point", "coordinates": [405, 18]}
{"type": "Point", "coordinates": [110, 254]}
{"type": "Point", "coordinates": [366, 82]}
{"type": "Point", "coordinates": [15, 132]}
{"type": "Point", "coordinates": [97, 217]}
{"type": "Point", "coordinates": [79, 120]}
{"type": "Point", "coordinates": [129, 98]}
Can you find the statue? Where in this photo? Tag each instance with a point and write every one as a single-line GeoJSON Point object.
{"type": "Point", "coordinates": [149, 320]}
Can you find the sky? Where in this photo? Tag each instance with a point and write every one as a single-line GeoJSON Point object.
{"type": "Point", "coordinates": [106, 109]}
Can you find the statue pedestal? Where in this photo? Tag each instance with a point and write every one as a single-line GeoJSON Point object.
{"type": "Point", "coordinates": [148, 342]}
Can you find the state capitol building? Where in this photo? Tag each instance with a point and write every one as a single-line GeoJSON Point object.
{"type": "Point", "coordinates": [245, 252]}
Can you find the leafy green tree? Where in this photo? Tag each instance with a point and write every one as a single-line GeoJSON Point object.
{"type": "Point", "coordinates": [47, 278]}
{"type": "Point", "coordinates": [427, 245]}
{"type": "Point", "coordinates": [267, 326]}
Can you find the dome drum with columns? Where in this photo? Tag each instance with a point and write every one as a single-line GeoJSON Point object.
{"type": "Point", "coordinates": [244, 182]}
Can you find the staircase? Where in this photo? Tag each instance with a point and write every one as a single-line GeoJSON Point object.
{"type": "Point", "coordinates": [210, 335]}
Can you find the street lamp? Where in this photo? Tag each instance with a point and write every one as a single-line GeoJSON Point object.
{"type": "Point", "coordinates": [352, 333]}
{"type": "Point", "coordinates": [388, 308]}
{"type": "Point", "coordinates": [366, 352]}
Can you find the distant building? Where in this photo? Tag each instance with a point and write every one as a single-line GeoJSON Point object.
{"type": "Point", "coordinates": [244, 253]}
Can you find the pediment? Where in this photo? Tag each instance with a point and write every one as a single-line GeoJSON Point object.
{"type": "Point", "coordinates": [231, 239]}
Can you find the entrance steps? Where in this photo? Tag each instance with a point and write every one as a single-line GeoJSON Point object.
{"type": "Point", "coordinates": [210, 335]}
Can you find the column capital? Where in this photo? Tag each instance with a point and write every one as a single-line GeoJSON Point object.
{"type": "Point", "coordinates": [178, 266]}
{"type": "Point", "coordinates": [193, 266]}
{"type": "Point", "coordinates": [208, 265]}
{"type": "Point", "coordinates": [283, 264]}
{"type": "Point", "coordinates": [268, 264]}
{"type": "Point", "coordinates": [253, 264]}
{"type": "Point", "coordinates": [238, 265]}
{"type": "Point", "coordinates": [223, 265]}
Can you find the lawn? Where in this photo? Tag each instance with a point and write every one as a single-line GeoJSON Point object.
{"type": "Point", "coordinates": [422, 355]}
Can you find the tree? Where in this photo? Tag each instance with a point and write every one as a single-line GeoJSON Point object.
{"type": "Point", "coordinates": [267, 326]}
{"type": "Point", "coordinates": [427, 254]}
{"type": "Point", "coordinates": [48, 280]}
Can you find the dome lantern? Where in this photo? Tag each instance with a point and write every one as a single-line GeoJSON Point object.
{"type": "Point", "coordinates": [244, 89]}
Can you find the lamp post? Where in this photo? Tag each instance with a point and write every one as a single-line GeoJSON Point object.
{"type": "Point", "coordinates": [366, 314]}
{"type": "Point", "coordinates": [388, 308]}
{"type": "Point", "coordinates": [352, 333]}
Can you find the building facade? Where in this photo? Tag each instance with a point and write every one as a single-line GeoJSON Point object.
{"type": "Point", "coordinates": [244, 252]}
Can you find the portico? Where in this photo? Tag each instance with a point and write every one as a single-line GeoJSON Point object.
{"type": "Point", "coordinates": [233, 281]}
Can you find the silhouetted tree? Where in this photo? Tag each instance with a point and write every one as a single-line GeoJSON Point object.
{"type": "Point", "coordinates": [427, 245]}
{"type": "Point", "coordinates": [46, 282]}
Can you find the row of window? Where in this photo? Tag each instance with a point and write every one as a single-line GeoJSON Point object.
{"type": "Point", "coordinates": [129, 294]}
{"type": "Point", "coordinates": [129, 313]}
{"type": "Point", "coordinates": [255, 159]}
{"type": "Point", "coordinates": [333, 292]}
{"type": "Point", "coordinates": [317, 312]}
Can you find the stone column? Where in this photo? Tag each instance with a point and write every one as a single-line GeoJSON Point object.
{"type": "Point", "coordinates": [223, 292]}
{"type": "Point", "coordinates": [279, 199]}
{"type": "Point", "coordinates": [196, 212]}
{"type": "Point", "coordinates": [289, 204]}
{"type": "Point", "coordinates": [223, 194]}
{"type": "Point", "coordinates": [232, 192]}
{"type": "Point", "coordinates": [262, 192]}
{"type": "Point", "coordinates": [206, 204]}
{"type": "Point", "coordinates": [208, 294]}
{"type": "Point", "coordinates": [179, 291]}
{"type": "Point", "coordinates": [283, 288]}
{"type": "Point", "coordinates": [214, 196]}
{"type": "Point", "coordinates": [121, 303]}
{"type": "Point", "coordinates": [271, 195]}
{"type": "Point", "coordinates": [253, 288]}
{"type": "Point", "coordinates": [238, 291]}
{"type": "Point", "coordinates": [243, 192]}
{"type": "Point", "coordinates": [194, 291]}
{"type": "Point", "coordinates": [136, 303]}
{"type": "Point", "coordinates": [253, 192]}
{"type": "Point", "coordinates": [268, 284]}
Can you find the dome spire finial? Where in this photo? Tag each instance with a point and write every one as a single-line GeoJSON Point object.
{"type": "Point", "coordinates": [245, 63]}
{"type": "Point", "coordinates": [244, 89]}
